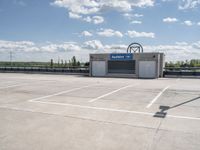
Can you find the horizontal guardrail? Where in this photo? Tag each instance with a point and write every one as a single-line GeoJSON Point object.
{"type": "Point", "coordinates": [182, 68]}
{"type": "Point", "coordinates": [179, 73]}
{"type": "Point", "coordinates": [194, 71]}
{"type": "Point", "coordinates": [46, 69]}
{"type": "Point", "coordinates": [182, 71]}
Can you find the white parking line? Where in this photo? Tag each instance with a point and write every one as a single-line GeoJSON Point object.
{"type": "Point", "coordinates": [59, 93]}
{"type": "Point", "coordinates": [10, 86]}
{"type": "Point", "coordinates": [183, 117]}
{"type": "Point", "coordinates": [115, 110]}
{"type": "Point", "coordinates": [159, 94]}
{"type": "Point", "coordinates": [95, 99]}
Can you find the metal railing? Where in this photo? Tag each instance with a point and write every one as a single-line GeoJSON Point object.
{"type": "Point", "coordinates": [182, 71]}
{"type": "Point", "coordinates": [46, 69]}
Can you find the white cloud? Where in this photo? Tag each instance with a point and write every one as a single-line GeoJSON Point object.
{"type": "Point", "coordinates": [83, 8]}
{"type": "Point", "coordinates": [17, 46]}
{"type": "Point", "coordinates": [120, 47]}
{"type": "Point", "coordinates": [64, 47]}
{"type": "Point", "coordinates": [198, 23]}
{"type": "Point", "coordinates": [74, 15]}
{"type": "Point", "coordinates": [188, 23]}
{"type": "Point", "coordinates": [28, 46]}
{"type": "Point", "coordinates": [98, 19]}
{"type": "Point", "coordinates": [138, 15]}
{"type": "Point", "coordinates": [86, 33]}
{"type": "Point", "coordinates": [128, 15]}
{"type": "Point", "coordinates": [78, 6]}
{"type": "Point", "coordinates": [49, 48]}
{"type": "Point", "coordinates": [87, 19]}
{"type": "Point", "coordinates": [196, 45]}
{"type": "Point", "coordinates": [93, 6]}
{"type": "Point", "coordinates": [110, 33]}
{"type": "Point", "coordinates": [142, 3]}
{"type": "Point", "coordinates": [188, 4]}
{"type": "Point", "coordinates": [118, 5]}
{"type": "Point", "coordinates": [94, 44]}
{"type": "Point", "coordinates": [173, 52]}
{"type": "Point", "coordinates": [182, 43]}
{"type": "Point", "coordinates": [94, 19]}
{"type": "Point", "coordinates": [61, 47]}
{"type": "Point", "coordinates": [170, 20]}
{"type": "Point", "coordinates": [135, 34]}
{"type": "Point", "coordinates": [136, 22]}
{"type": "Point", "coordinates": [177, 51]}
{"type": "Point", "coordinates": [131, 16]}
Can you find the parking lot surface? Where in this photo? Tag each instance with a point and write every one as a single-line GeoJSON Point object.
{"type": "Point", "coordinates": [65, 112]}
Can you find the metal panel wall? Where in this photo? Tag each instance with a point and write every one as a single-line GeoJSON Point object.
{"type": "Point", "coordinates": [147, 69]}
{"type": "Point", "coordinates": [98, 68]}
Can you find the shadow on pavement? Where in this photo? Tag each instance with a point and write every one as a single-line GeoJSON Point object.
{"type": "Point", "coordinates": [163, 109]}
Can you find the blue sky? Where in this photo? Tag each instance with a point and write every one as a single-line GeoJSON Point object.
{"type": "Point", "coordinates": [38, 30]}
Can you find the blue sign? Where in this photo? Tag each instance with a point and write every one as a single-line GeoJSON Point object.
{"type": "Point", "coordinates": [125, 56]}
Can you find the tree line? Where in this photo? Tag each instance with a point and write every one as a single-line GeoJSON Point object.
{"type": "Point", "coordinates": [73, 62]}
{"type": "Point", "coordinates": [186, 63]}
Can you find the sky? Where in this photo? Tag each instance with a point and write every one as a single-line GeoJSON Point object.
{"type": "Point", "coordinates": [40, 30]}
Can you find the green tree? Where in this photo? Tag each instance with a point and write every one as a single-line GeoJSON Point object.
{"type": "Point", "coordinates": [69, 64]}
{"type": "Point", "coordinates": [51, 63]}
{"type": "Point", "coordinates": [62, 63]}
{"type": "Point", "coordinates": [78, 64]}
{"type": "Point", "coordinates": [87, 64]}
{"type": "Point", "coordinates": [73, 61]}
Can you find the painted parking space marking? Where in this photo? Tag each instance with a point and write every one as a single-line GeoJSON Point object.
{"type": "Point", "coordinates": [157, 96]}
{"type": "Point", "coordinates": [116, 110]}
{"type": "Point", "coordinates": [60, 93]}
{"type": "Point", "coordinates": [112, 92]}
{"type": "Point", "coordinates": [11, 86]}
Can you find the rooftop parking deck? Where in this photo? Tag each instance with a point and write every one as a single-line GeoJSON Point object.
{"type": "Point", "coordinates": [84, 113]}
